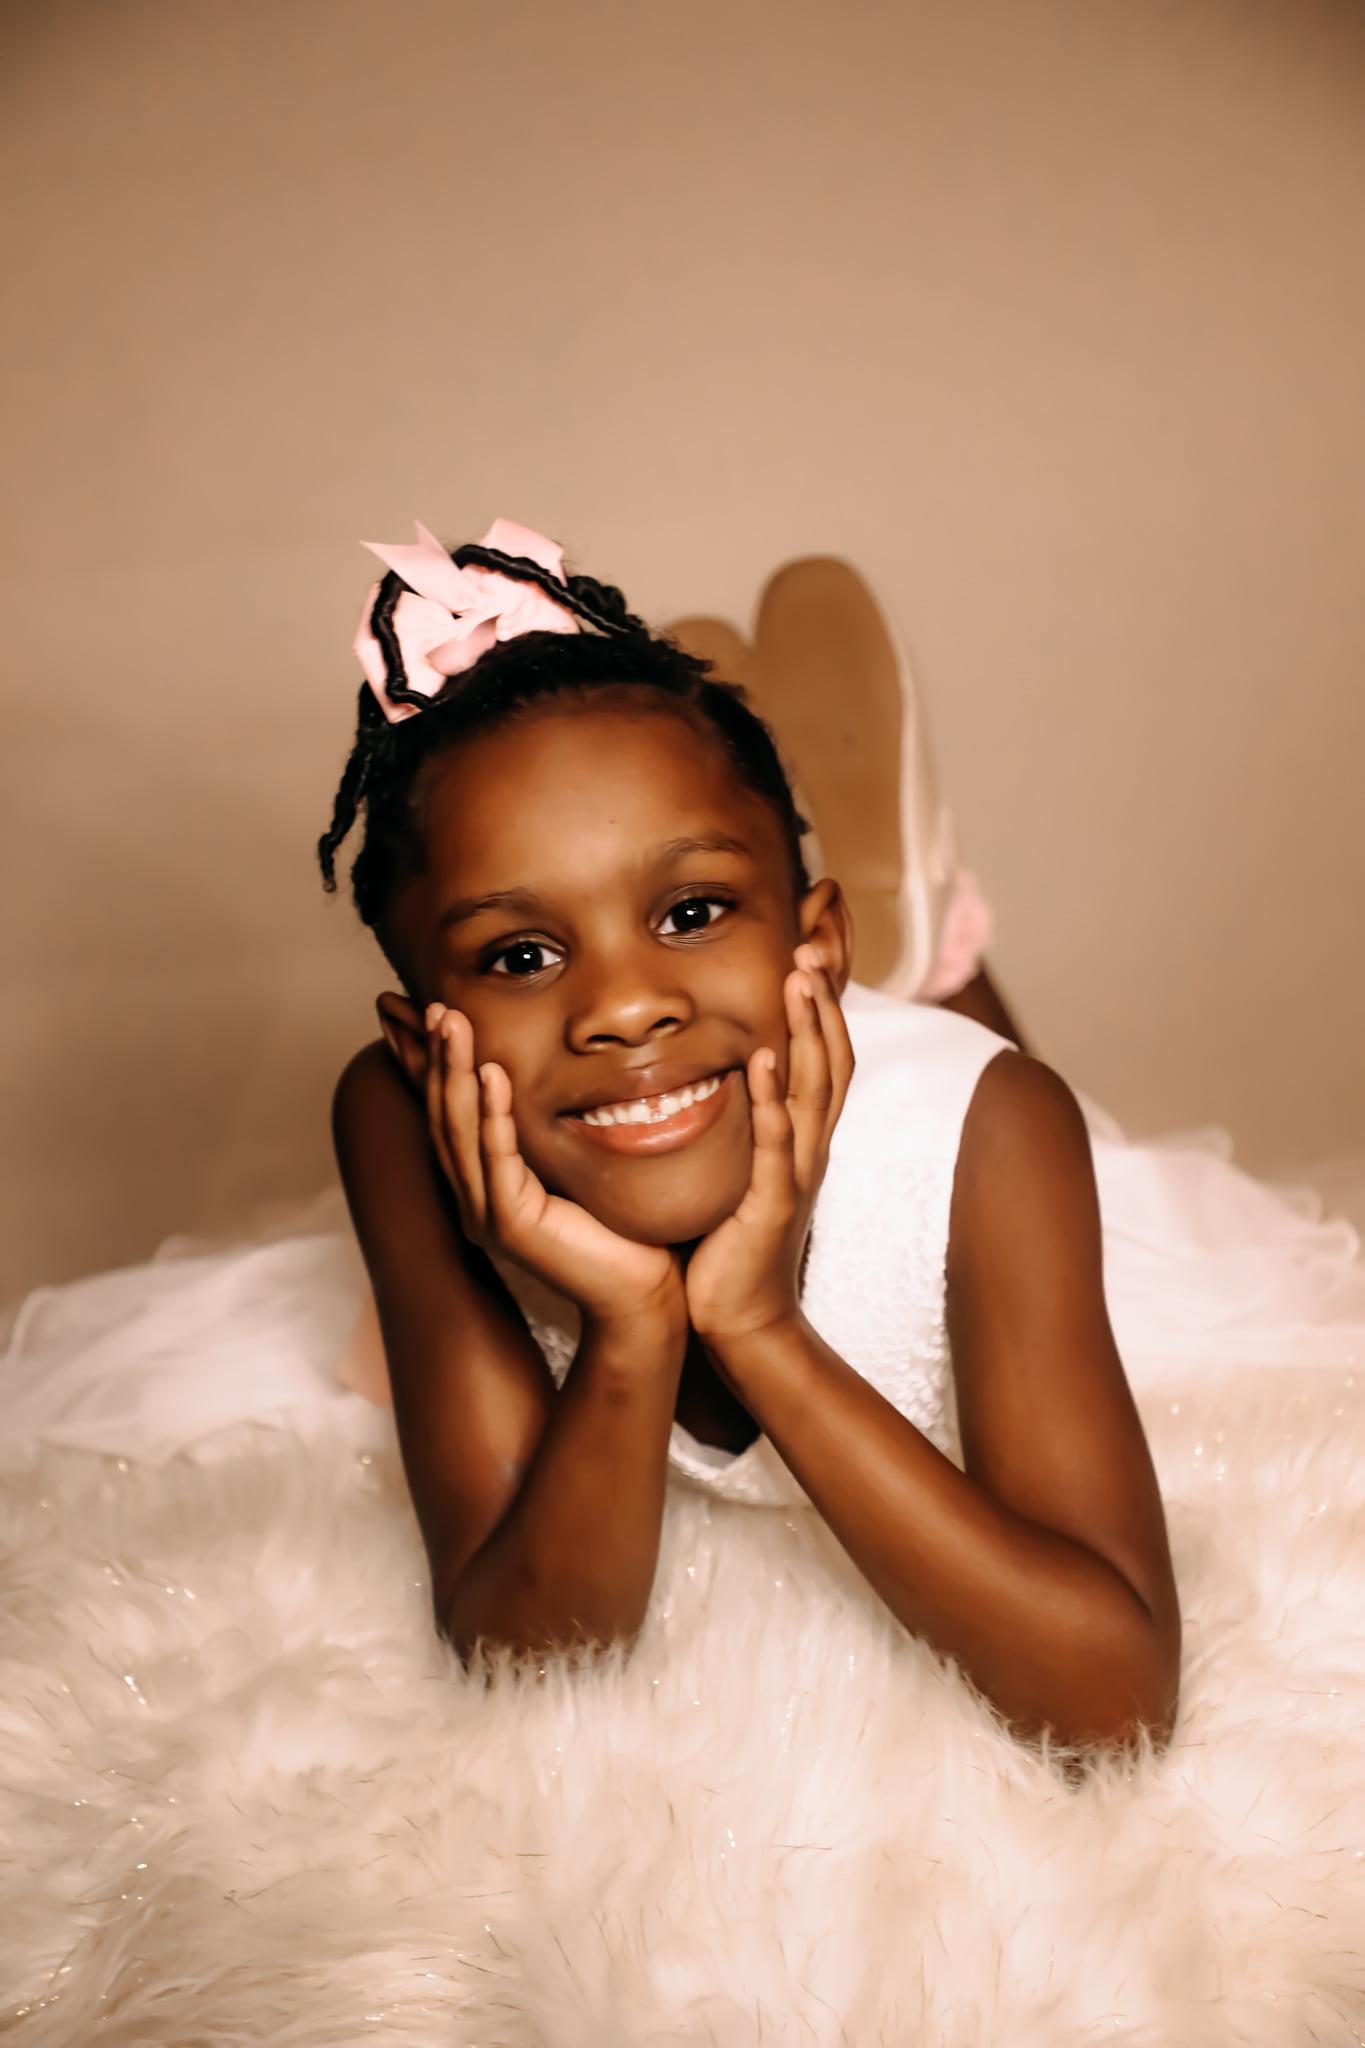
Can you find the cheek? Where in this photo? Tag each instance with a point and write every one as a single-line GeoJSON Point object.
{"type": "Point", "coordinates": [770, 1027]}
{"type": "Point", "coordinates": [544, 1151]}
{"type": "Point", "coordinates": [749, 993]}
{"type": "Point", "coordinates": [521, 1058]}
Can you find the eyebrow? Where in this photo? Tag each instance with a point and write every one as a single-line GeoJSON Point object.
{"type": "Point", "coordinates": [526, 902]}
{"type": "Point", "coordinates": [708, 842]}
{"type": "Point", "coordinates": [500, 899]}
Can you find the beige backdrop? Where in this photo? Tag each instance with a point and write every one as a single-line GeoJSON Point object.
{"type": "Point", "coordinates": [1047, 315]}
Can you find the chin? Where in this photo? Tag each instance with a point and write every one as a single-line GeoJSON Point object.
{"type": "Point", "coordinates": [665, 1215]}
{"type": "Point", "coordinates": [676, 1226]}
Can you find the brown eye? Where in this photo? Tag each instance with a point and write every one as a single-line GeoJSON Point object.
{"type": "Point", "coordinates": [695, 913]}
{"type": "Point", "coordinates": [525, 958]}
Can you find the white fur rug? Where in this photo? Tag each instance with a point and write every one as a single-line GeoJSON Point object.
{"type": "Point", "coordinates": [248, 1798]}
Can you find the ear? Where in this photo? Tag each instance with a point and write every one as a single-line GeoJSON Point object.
{"type": "Point", "coordinates": [826, 923]}
{"type": "Point", "coordinates": [405, 1034]}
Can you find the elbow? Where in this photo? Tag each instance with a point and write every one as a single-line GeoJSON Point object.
{"type": "Point", "coordinates": [1130, 1685]}
{"type": "Point", "coordinates": [1155, 1676]}
{"type": "Point", "coordinates": [485, 1649]}
{"type": "Point", "coordinates": [486, 1656]}
{"type": "Point", "coordinates": [1133, 1697]}
{"type": "Point", "coordinates": [1138, 1724]}
{"type": "Point", "coordinates": [1129, 1726]}
{"type": "Point", "coordinates": [470, 1634]}
{"type": "Point", "coordinates": [1164, 1684]}
{"type": "Point", "coordinates": [1122, 1700]}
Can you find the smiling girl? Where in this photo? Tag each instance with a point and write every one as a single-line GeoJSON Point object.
{"type": "Point", "coordinates": [641, 1176]}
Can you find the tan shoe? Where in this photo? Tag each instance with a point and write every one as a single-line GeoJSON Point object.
{"type": "Point", "coordinates": [828, 672]}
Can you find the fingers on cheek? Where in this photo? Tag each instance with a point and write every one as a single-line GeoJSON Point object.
{"type": "Point", "coordinates": [832, 1025]}
{"type": "Point", "coordinates": [823, 998]}
{"type": "Point", "coordinates": [801, 1010]}
{"type": "Point", "coordinates": [767, 1095]}
{"type": "Point", "coordinates": [772, 1129]}
{"type": "Point", "coordinates": [495, 1089]}
{"type": "Point", "coordinates": [842, 1052]}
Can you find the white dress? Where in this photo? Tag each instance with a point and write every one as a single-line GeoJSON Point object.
{"type": "Point", "coordinates": [1201, 1263]}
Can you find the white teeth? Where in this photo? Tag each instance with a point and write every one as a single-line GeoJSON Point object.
{"type": "Point", "coordinates": [653, 1109]}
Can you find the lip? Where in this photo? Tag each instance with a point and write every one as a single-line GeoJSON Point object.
{"type": "Point", "coordinates": [669, 1135]}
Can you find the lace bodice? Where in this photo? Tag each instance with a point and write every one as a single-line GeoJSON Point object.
{"type": "Point", "coordinates": [874, 1277]}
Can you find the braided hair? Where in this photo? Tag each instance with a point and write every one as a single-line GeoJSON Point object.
{"type": "Point", "coordinates": [618, 653]}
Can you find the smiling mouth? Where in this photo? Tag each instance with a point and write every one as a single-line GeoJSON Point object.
{"type": "Point", "coordinates": [651, 1109]}
{"type": "Point", "coordinates": [657, 1123]}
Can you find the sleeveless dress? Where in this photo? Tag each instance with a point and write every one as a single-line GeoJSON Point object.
{"type": "Point", "coordinates": [1202, 1263]}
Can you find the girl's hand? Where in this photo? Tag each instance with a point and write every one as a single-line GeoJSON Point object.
{"type": "Point", "coordinates": [504, 1207]}
{"type": "Point", "coordinates": [745, 1277]}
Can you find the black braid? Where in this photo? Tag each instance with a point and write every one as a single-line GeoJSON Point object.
{"type": "Point", "coordinates": [354, 777]}
{"type": "Point", "coordinates": [381, 625]}
{"type": "Point", "coordinates": [621, 650]}
{"type": "Point", "coordinates": [607, 601]}
{"type": "Point", "coordinates": [601, 604]}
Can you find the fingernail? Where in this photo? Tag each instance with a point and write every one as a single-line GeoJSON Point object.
{"type": "Point", "coordinates": [804, 987]}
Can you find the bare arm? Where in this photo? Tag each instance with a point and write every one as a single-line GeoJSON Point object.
{"type": "Point", "coordinates": [540, 1511]}
{"type": "Point", "coordinates": [1043, 1567]}
{"type": "Point", "coordinates": [573, 1560]}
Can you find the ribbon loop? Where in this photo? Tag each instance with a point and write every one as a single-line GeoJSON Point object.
{"type": "Point", "coordinates": [447, 616]}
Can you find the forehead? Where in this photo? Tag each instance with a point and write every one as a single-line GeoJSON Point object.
{"type": "Point", "coordinates": [579, 792]}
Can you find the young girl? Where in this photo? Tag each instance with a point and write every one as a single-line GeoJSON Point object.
{"type": "Point", "coordinates": [641, 1176]}
{"type": "Point", "coordinates": [651, 1193]}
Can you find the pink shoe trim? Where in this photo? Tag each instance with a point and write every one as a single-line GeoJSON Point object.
{"type": "Point", "coordinates": [968, 927]}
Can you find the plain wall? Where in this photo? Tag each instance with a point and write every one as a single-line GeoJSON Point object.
{"type": "Point", "coordinates": [1048, 316]}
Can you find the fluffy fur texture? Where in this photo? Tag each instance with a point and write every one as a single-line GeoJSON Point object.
{"type": "Point", "coordinates": [249, 1798]}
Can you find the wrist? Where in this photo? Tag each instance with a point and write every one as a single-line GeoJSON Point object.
{"type": "Point", "coordinates": [731, 1344]}
{"type": "Point", "coordinates": [652, 1328]}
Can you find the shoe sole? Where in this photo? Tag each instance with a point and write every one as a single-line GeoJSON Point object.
{"type": "Point", "coordinates": [829, 674]}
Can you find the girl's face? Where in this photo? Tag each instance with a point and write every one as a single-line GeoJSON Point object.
{"type": "Point", "coordinates": [615, 914]}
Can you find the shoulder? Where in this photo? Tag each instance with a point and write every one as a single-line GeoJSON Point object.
{"type": "Point", "coordinates": [1024, 1194]}
{"type": "Point", "coordinates": [378, 1124]}
{"type": "Point", "coordinates": [369, 1087]}
{"type": "Point", "coordinates": [1021, 1105]}
{"type": "Point", "coordinates": [404, 1214]}
{"type": "Point", "coordinates": [366, 1072]}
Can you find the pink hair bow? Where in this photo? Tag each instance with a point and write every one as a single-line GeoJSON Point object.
{"type": "Point", "coordinates": [448, 617]}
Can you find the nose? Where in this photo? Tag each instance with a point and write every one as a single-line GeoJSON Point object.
{"type": "Point", "coordinates": [627, 1000]}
